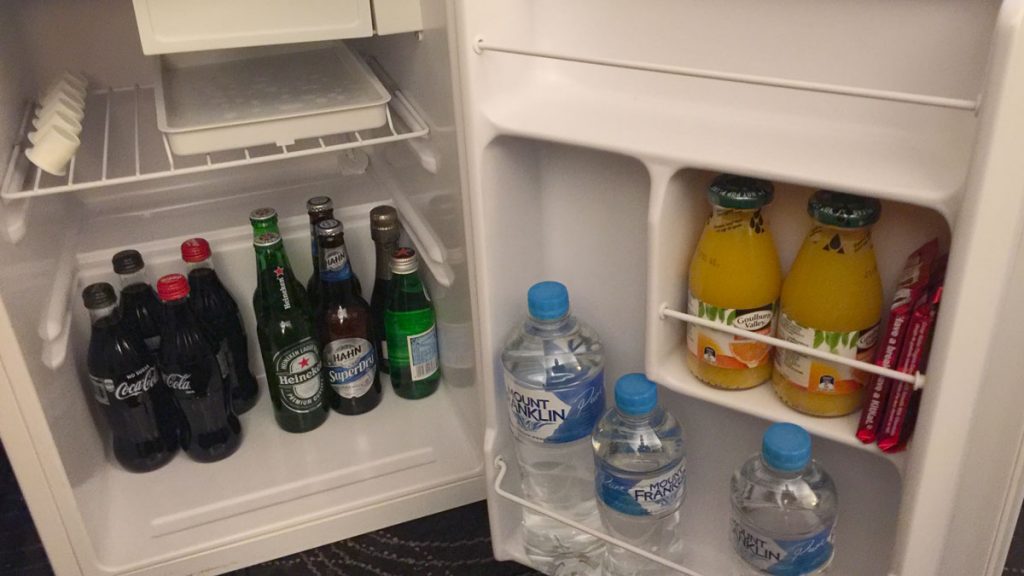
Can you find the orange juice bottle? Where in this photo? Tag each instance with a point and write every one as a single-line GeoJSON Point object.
{"type": "Point", "coordinates": [832, 301]}
{"type": "Point", "coordinates": [734, 280]}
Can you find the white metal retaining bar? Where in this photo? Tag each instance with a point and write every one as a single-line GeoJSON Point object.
{"type": "Point", "coordinates": [482, 46]}
{"type": "Point", "coordinates": [917, 379]}
{"type": "Point", "coordinates": [499, 463]}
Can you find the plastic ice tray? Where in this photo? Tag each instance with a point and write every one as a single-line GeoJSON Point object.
{"type": "Point", "coordinates": [208, 102]}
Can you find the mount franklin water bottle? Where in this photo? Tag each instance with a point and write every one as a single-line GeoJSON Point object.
{"type": "Point", "coordinates": [640, 458]}
{"type": "Point", "coordinates": [554, 381]}
{"type": "Point", "coordinates": [784, 507]}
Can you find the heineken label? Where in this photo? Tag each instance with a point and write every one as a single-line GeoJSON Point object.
{"type": "Point", "coordinates": [282, 285]}
{"type": "Point", "coordinates": [335, 264]}
{"type": "Point", "coordinates": [351, 366]}
{"type": "Point", "coordinates": [297, 369]}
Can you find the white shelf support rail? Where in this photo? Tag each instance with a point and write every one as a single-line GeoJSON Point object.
{"type": "Point", "coordinates": [483, 45]}
{"type": "Point", "coordinates": [917, 379]}
{"type": "Point", "coordinates": [499, 463]}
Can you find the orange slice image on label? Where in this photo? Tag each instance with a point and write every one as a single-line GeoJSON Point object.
{"type": "Point", "coordinates": [749, 352]}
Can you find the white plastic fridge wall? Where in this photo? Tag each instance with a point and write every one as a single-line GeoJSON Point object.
{"type": "Point", "coordinates": [674, 132]}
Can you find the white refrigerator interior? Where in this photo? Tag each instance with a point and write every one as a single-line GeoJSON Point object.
{"type": "Point", "coordinates": [527, 140]}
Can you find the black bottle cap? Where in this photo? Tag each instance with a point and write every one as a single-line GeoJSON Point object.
{"type": "Point", "coordinates": [128, 262]}
{"type": "Point", "coordinates": [99, 295]}
{"type": "Point", "coordinates": [319, 204]}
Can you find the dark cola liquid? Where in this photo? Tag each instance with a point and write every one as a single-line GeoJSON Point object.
{"type": "Point", "coordinates": [217, 310]}
{"type": "Point", "coordinates": [139, 410]}
{"type": "Point", "coordinates": [140, 310]}
{"type": "Point", "coordinates": [210, 431]}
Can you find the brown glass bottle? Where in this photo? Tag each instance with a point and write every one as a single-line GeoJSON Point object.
{"type": "Point", "coordinates": [344, 326]}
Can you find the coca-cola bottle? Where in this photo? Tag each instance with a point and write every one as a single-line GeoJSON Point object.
{"type": "Point", "coordinates": [188, 364]}
{"type": "Point", "coordinates": [217, 310]}
{"type": "Point", "coordinates": [139, 410]}
{"type": "Point", "coordinates": [140, 309]}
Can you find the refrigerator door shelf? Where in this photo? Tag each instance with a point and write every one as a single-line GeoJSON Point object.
{"type": "Point", "coordinates": [502, 468]}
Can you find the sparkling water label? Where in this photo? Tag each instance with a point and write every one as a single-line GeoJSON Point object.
{"type": "Point", "coordinates": [351, 366]}
{"type": "Point", "coordinates": [423, 354]}
{"type": "Point", "coordinates": [554, 417]}
{"type": "Point", "coordinates": [782, 557]}
{"type": "Point", "coordinates": [655, 496]}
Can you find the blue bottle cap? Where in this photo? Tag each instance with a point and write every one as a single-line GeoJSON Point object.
{"type": "Point", "coordinates": [786, 447]}
{"type": "Point", "coordinates": [548, 300]}
{"type": "Point", "coordinates": [635, 395]}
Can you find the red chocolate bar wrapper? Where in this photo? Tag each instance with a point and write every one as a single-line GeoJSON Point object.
{"type": "Point", "coordinates": [902, 411]}
{"type": "Point", "coordinates": [913, 284]}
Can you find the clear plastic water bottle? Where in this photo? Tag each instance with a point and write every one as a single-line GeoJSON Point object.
{"type": "Point", "coordinates": [784, 507]}
{"type": "Point", "coordinates": [640, 457]}
{"type": "Point", "coordinates": [554, 380]}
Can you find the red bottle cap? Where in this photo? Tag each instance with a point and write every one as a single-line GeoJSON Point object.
{"type": "Point", "coordinates": [172, 287]}
{"type": "Point", "coordinates": [195, 250]}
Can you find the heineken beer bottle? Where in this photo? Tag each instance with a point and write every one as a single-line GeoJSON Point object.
{"type": "Point", "coordinates": [291, 356]}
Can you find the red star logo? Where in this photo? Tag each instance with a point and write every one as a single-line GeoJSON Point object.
{"type": "Point", "coordinates": [304, 362]}
{"type": "Point", "coordinates": [278, 271]}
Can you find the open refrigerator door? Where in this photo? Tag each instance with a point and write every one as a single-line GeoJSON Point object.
{"type": "Point", "coordinates": [593, 132]}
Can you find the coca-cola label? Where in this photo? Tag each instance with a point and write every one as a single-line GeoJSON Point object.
{"type": "Point", "coordinates": [138, 382]}
{"type": "Point", "coordinates": [297, 369]}
{"type": "Point", "coordinates": [351, 366]}
{"type": "Point", "coordinates": [126, 387]}
{"type": "Point", "coordinates": [179, 383]}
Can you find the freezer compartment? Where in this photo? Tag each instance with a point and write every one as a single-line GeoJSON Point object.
{"type": "Point", "coordinates": [586, 218]}
{"type": "Point", "coordinates": [188, 25]}
{"type": "Point", "coordinates": [280, 493]}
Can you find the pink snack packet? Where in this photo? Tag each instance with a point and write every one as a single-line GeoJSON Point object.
{"type": "Point", "coordinates": [912, 287]}
{"type": "Point", "coordinates": [901, 413]}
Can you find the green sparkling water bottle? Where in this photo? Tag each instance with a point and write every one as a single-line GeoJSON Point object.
{"type": "Point", "coordinates": [411, 328]}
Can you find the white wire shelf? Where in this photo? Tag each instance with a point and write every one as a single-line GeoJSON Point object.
{"type": "Point", "coordinates": [122, 145]}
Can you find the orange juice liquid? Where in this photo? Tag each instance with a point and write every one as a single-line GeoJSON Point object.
{"type": "Point", "coordinates": [831, 300]}
{"type": "Point", "coordinates": [735, 279]}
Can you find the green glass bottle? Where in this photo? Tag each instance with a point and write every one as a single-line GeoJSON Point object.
{"type": "Point", "coordinates": [411, 328]}
{"type": "Point", "coordinates": [263, 221]}
{"type": "Point", "coordinates": [291, 355]}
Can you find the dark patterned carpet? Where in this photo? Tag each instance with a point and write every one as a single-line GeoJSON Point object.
{"type": "Point", "coordinates": [453, 543]}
